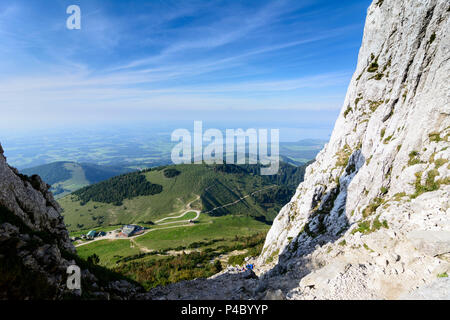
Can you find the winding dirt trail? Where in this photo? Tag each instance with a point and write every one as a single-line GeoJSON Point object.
{"type": "Point", "coordinates": [187, 210]}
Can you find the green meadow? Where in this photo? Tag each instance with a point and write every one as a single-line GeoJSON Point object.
{"type": "Point", "coordinates": [207, 232]}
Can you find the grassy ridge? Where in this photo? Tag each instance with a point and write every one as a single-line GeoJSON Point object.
{"type": "Point", "coordinates": [51, 173]}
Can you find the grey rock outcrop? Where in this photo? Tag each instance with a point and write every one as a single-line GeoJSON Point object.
{"type": "Point", "coordinates": [222, 286]}
{"type": "Point", "coordinates": [35, 249]}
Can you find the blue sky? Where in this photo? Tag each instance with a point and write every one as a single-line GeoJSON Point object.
{"type": "Point", "coordinates": [282, 62]}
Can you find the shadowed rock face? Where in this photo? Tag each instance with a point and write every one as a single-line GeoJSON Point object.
{"type": "Point", "coordinates": [29, 200]}
{"type": "Point", "coordinates": [32, 236]}
{"type": "Point", "coordinates": [35, 249]}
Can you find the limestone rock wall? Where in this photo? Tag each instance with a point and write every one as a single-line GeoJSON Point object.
{"type": "Point", "coordinates": [380, 187]}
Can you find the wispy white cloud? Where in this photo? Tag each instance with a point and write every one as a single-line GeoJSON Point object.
{"type": "Point", "coordinates": [227, 30]}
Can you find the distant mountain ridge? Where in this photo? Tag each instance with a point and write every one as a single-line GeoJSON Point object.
{"type": "Point", "coordinates": [66, 176]}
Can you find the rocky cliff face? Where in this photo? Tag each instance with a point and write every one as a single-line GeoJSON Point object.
{"type": "Point", "coordinates": [32, 236]}
{"type": "Point", "coordinates": [372, 217]}
{"type": "Point", "coordinates": [35, 249]}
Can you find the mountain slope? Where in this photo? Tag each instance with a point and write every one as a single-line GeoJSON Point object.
{"type": "Point", "coordinates": [66, 177]}
{"type": "Point", "coordinates": [372, 217]}
{"type": "Point", "coordinates": [160, 192]}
